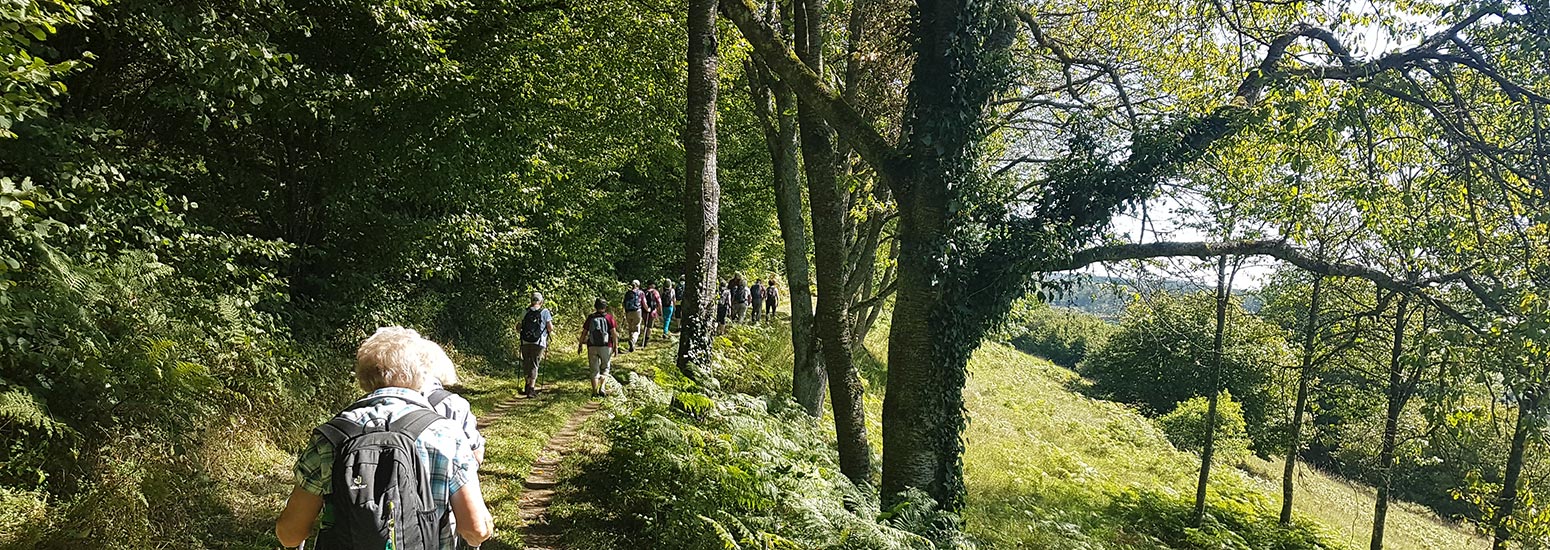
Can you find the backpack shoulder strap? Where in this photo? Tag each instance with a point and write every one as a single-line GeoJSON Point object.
{"type": "Point", "coordinates": [436, 397]}
{"type": "Point", "coordinates": [338, 431]}
{"type": "Point", "coordinates": [414, 422]}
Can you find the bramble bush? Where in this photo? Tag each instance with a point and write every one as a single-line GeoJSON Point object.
{"type": "Point", "coordinates": [1236, 519]}
{"type": "Point", "coordinates": [1063, 336]}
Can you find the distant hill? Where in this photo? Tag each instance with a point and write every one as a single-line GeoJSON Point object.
{"type": "Point", "coordinates": [1107, 297]}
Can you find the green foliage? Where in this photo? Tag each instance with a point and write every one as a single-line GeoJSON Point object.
{"type": "Point", "coordinates": [1186, 427]}
{"type": "Point", "coordinates": [1161, 357]}
{"type": "Point", "coordinates": [681, 474]}
{"type": "Point", "coordinates": [32, 81]}
{"type": "Point", "coordinates": [1060, 335]}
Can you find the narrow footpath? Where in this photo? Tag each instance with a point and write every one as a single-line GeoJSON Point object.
{"type": "Point", "coordinates": [538, 488]}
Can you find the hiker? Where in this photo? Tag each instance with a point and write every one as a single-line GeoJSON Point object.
{"type": "Point", "coordinates": [634, 299]}
{"type": "Point", "coordinates": [600, 335]}
{"type": "Point", "coordinates": [723, 304]}
{"type": "Point", "coordinates": [440, 372]}
{"type": "Point", "coordinates": [651, 311]}
{"type": "Point", "coordinates": [670, 298]}
{"type": "Point", "coordinates": [755, 297]}
{"type": "Point", "coordinates": [771, 299]}
{"type": "Point", "coordinates": [537, 327]}
{"type": "Point", "coordinates": [368, 501]}
{"type": "Point", "coordinates": [738, 292]}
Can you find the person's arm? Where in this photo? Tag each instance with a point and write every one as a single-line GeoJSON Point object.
{"type": "Point", "coordinates": [473, 518]}
{"type": "Point", "coordinates": [295, 523]}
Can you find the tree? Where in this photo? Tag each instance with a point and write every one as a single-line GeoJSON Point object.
{"type": "Point", "coordinates": [776, 106]}
{"type": "Point", "coordinates": [1224, 277]}
{"type": "Point", "coordinates": [702, 202]}
{"type": "Point", "coordinates": [964, 255]}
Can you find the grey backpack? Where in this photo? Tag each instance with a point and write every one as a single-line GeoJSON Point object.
{"type": "Point", "coordinates": [381, 495]}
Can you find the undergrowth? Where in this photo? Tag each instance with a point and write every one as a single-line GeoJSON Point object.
{"type": "Point", "coordinates": [689, 468]}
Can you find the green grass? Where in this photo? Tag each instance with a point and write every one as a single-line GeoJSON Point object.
{"type": "Point", "coordinates": [1044, 463]}
{"type": "Point", "coordinates": [515, 441]}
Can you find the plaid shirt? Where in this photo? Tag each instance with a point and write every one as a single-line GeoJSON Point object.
{"type": "Point", "coordinates": [443, 446]}
{"type": "Point", "coordinates": [457, 409]}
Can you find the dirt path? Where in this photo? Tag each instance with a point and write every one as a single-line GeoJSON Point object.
{"type": "Point", "coordinates": [538, 488]}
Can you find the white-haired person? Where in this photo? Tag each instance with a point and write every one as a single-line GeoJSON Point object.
{"type": "Point", "coordinates": [373, 503]}
{"type": "Point", "coordinates": [440, 373]}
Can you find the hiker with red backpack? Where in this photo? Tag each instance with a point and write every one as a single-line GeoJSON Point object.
{"type": "Point", "coordinates": [388, 472]}
{"type": "Point", "coordinates": [600, 335]}
{"type": "Point", "coordinates": [537, 326]}
{"type": "Point", "coordinates": [634, 300]}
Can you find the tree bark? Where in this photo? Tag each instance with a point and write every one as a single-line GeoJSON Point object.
{"type": "Point", "coordinates": [775, 105]}
{"type": "Point", "coordinates": [702, 197]}
{"type": "Point", "coordinates": [1304, 380]}
{"type": "Point", "coordinates": [829, 212]}
{"type": "Point", "coordinates": [1507, 501]}
{"type": "Point", "coordinates": [1223, 295]}
{"type": "Point", "coordinates": [923, 405]}
{"type": "Point", "coordinates": [1396, 404]}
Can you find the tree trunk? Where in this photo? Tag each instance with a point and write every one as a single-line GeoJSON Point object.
{"type": "Point", "coordinates": [702, 197]}
{"type": "Point", "coordinates": [1396, 405]}
{"type": "Point", "coordinates": [1223, 295]}
{"type": "Point", "coordinates": [829, 211]}
{"type": "Point", "coordinates": [940, 314]}
{"type": "Point", "coordinates": [923, 407]}
{"type": "Point", "coordinates": [808, 381]}
{"type": "Point", "coordinates": [1304, 379]}
{"type": "Point", "coordinates": [1507, 501]}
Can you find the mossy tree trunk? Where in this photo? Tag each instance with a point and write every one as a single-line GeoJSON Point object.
{"type": "Point", "coordinates": [702, 196]}
{"type": "Point", "coordinates": [775, 106]}
{"type": "Point", "coordinates": [830, 250]}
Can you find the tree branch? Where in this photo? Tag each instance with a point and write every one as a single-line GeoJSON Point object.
{"type": "Point", "coordinates": [1278, 249]}
{"type": "Point", "coordinates": [845, 119]}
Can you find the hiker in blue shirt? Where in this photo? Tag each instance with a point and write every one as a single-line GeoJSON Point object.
{"type": "Point", "coordinates": [536, 329]}
{"type": "Point", "coordinates": [670, 298]}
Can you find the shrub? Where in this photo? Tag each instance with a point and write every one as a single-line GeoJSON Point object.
{"type": "Point", "coordinates": [1161, 356]}
{"type": "Point", "coordinates": [1063, 336]}
{"type": "Point", "coordinates": [1186, 427]}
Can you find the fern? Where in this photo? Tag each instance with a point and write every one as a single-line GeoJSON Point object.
{"type": "Point", "coordinates": [19, 408]}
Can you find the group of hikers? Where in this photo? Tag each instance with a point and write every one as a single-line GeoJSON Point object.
{"type": "Point", "coordinates": [737, 300]}
{"type": "Point", "coordinates": [398, 468]}
{"type": "Point", "coordinates": [642, 305]}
